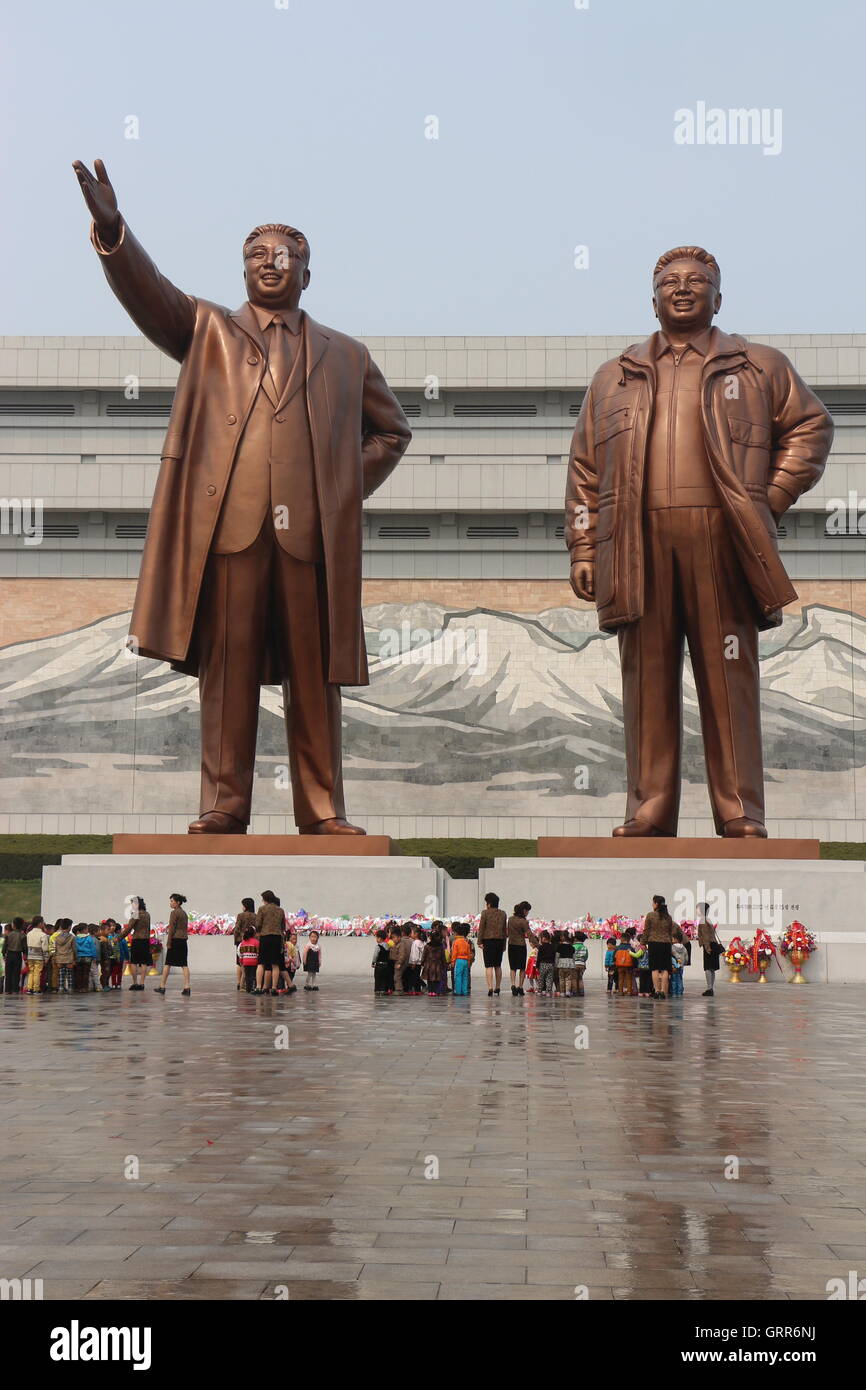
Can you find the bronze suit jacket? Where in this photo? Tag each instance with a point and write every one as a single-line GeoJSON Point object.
{"type": "Point", "coordinates": [359, 434]}
{"type": "Point", "coordinates": [761, 425]}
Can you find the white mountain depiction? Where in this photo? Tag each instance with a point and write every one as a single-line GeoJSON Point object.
{"type": "Point", "coordinates": [495, 699]}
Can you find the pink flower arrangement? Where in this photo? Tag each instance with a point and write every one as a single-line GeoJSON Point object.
{"type": "Point", "coordinates": [595, 928]}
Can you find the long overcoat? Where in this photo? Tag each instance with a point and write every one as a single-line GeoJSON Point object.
{"type": "Point", "coordinates": [359, 434]}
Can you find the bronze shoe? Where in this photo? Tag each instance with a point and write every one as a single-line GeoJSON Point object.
{"type": "Point", "coordinates": [744, 829]}
{"type": "Point", "coordinates": [217, 823]}
{"type": "Point", "coordinates": [335, 826]}
{"type": "Point", "coordinates": [635, 827]}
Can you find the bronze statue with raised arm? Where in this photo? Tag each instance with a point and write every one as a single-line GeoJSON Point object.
{"type": "Point", "coordinates": [688, 449]}
{"type": "Point", "coordinates": [251, 572]}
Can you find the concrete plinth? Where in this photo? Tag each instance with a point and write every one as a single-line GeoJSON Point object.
{"type": "Point", "coordinates": [671, 847]}
{"type": "Point", "coordinates": [827, 895]}
{"type": "Point", "coordinates": [88, 887]}
{"type": "Point", "coordinates": [345, 846]}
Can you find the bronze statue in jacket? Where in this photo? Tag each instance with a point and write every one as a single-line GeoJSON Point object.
{"type": "Point", "coordinates": [688, 449]}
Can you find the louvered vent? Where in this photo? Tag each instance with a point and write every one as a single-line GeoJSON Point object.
{"type": "Point", "coordinates": [136, 409]}
{"type": "Point", "coordinates": [403, 533]}
{"type": "Point", "coordinates": [36, 408]}
{"type": "Point", "coordinates": [411, 409]}
{"type": "Point", "coordinates": [60, 530]}
{"type": "Point", "coordinates": [130, 530]}
{"type": "Point", "coordinates": [492, 533]}
{"type": "Point", "coordinates": [468, 410]}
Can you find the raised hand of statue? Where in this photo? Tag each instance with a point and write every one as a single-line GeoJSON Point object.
{"type": "Point", "coordinates": [583, 580]}
{"type": "Point", "coordinates": [100, 198]}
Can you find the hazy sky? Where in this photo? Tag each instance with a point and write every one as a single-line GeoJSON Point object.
{"type": "Point", "coordinates": [556, 129]}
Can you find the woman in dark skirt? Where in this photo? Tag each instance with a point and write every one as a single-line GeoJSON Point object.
{"type": "Point", "coordinates": [657, 936]}
{"type": "Point", "coordinates": [711, 947]}
{"type": "Point", "coordinates": [140, 958]}
{"type": "Point", "coordinates": [176, 943]}
{"type": "Point", "coordinates": [271, 931]}
{"type": "Point", "coordinates": [518, 932]}
{"type": "Point", "coordinates": [492, 932]}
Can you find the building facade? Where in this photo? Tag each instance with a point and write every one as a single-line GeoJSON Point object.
{"type": "Point", "coordinates": [494, 703]}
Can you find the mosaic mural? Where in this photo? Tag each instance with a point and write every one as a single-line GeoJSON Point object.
{"type": "Point", "coordinates": [500, 712]}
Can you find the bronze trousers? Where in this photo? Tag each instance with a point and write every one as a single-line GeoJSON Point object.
{"type": "Point", "coordinates": [694, 591]}
{"type": "Point", "coordinates": [250, 599]}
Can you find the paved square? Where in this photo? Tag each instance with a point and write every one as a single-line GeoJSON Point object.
{"type": "Point", "coordinates": [265, 1171]}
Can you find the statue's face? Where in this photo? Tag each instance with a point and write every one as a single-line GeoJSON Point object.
{"type": "Point", "coordinates": [685, 296]}
{"type": "Point", "coordinates": [275, 272]}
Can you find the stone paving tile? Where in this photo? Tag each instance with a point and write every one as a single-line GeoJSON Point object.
{"type": "Point", "coordinates": [557, 1167]}
{"type": "Point", "coordinates": [139, 1289]}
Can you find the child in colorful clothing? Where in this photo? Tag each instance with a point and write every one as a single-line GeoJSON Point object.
{"type": "Point", "coordinates": [313, 962]}
{"type": "Point", "coordinates": [679, 956]}
{"type": "Point", "coordinates": [546, 960]}
{"type": "Point", "coordinates": [462, 956]}
{"type": "Point", "coordinates": [416, 955]}
{"type": "Point", "coordinates": [248, 958]}
{"type": "Point", "coordinates": [64, 954]}
{"type": "Point", "coordinates": [124, 951]}
{"type": "Point", "coordinates": [104, 957]}
{"type": "Point", "coordinates": [293, 961]}
{"type": "Point", "coordinates": [381, 964]}
{"type": "Point", "coordinates": [626, 957]}
{"type": "Point", "coordinates": [434, 967]}
{"type": "Point", "coordinates": [116, 965]}
{"type": "Point", "coordinates": [564, 963]}
{"type": "Point", "coordinates": [37, 954]}
{"type": "Point", "coordinates": [610, 964]}
{"type": "Point", "coordinates": [531, 968]}
{"type": "Point", "coordinates": [581, 959]}
{"type": "Point", "coordinates": [644, 975]}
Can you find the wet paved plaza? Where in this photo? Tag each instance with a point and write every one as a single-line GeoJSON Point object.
{"type": "Point", "coordinates": [178, 1149]}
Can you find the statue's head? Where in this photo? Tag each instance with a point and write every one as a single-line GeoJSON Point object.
{"type": "Point", "coordinates": [276, 266]}
{"type": "Point", "coordinates": [686, 289]}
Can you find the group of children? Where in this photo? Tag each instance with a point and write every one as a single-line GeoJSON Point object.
{"type": "Point", "coordinates": [253, 975]}
{"type": "Point", "coordinates": [627, 964]}
{"type": "Point", "coordinates": [41, 958]}
{"type": "Point", "coordinates": [556, 966]}
{"type": "Point", "coordinates": [408, 960]}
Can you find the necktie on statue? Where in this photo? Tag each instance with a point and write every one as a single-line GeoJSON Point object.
{"type": "Point", "coordinates": [280, 357]}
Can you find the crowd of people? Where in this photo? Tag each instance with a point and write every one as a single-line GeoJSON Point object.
{"type": "Point", "coordinates": [408, 958]}
{"type": "Point", "coordinates": [38, 957]}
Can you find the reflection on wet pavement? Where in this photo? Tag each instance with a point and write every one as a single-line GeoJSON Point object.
{"type": "Point", "coordinates": [443, 1148]}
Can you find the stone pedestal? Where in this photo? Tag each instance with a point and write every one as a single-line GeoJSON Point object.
{"type": "Point", "coordinates": [744, 892]}
{"type": "Point", "coordinates": [317, 846]}
{"type": "Point", "coordinates": [673, 848]}
{"type": "Point", "coordinates": [88, 887]}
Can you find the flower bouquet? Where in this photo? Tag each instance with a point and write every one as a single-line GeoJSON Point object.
{"type": "Point", "coordinates": [762, 953]}
{"type": "Point", "coordinates": [155, 952]}
{"type": "Point", "coordinates": [736, 959]}
{"type": "Point", "coordinates": [798, 943]}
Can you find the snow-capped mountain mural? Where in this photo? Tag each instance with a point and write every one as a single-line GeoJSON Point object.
{"type": "Point", "coordinates": [523, 711]}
